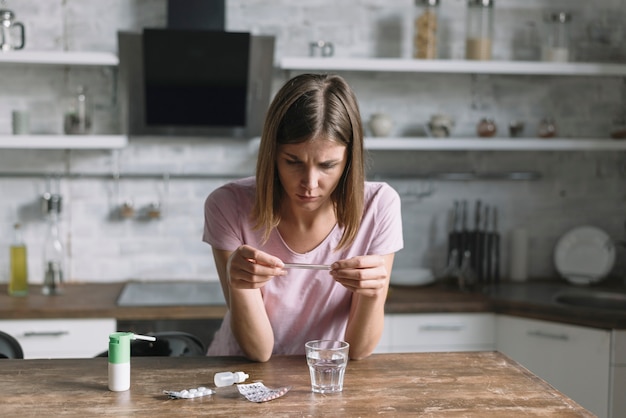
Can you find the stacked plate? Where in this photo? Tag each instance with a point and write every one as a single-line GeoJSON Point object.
{"type": "Point", "coordinates": [584, 255]}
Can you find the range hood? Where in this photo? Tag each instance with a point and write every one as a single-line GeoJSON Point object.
{"type": "Point", "coordinates": [196, 14]}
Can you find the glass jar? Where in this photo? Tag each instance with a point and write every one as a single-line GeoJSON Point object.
{"type": "Point", "coordinates": [479, 29]}
{"type": "Point", "coordinates": [425, 29]}
{"type": "Point", "coordinates": [557, 44]}
{"type": "Point", "coordinates": [527, 43]}
{"type": "Point", "coordinates": [77, 119]}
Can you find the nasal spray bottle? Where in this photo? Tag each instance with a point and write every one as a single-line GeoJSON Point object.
{"type": "Point", "coordinates": [119, 359]}
{"type": "Point", "coordinates": [222, 379]}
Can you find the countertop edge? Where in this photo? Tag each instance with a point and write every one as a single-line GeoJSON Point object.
{"type": "Point", "coordinates": [98, 300]}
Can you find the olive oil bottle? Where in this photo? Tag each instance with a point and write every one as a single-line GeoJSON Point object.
{"type": "Point", "coordinates": [18, 280]}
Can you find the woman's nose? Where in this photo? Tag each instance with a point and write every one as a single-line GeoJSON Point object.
{"type": "Point", "coordinates": [310, 178]}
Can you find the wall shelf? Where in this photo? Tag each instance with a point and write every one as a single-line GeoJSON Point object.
{"type": "Point", "coordinates": [84, 58]}
{"type": "Point", "coordinates": [494, 144]}
{"type": "Point", "coordinates": [483, 144]}
{"type": "Point", "coordinates": [452, 66]}
{"type": "Point", "coordinates": [61, 58]}
{"type": "Point", "coordinates": [63, 141]}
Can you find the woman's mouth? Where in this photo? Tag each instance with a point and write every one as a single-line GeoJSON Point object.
{"type": "Point", "coordinates": [305, 198]}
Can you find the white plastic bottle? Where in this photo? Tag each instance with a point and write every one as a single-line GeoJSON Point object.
{"type": "Point", "coordinates": [119, 359]}
{"type": "Point", "coordinates": [222, 379]}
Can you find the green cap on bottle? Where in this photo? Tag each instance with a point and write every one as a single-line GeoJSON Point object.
{"type": "Point", "coordinates": [119, 347]}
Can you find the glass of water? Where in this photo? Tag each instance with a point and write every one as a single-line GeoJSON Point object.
{"type": "Point", "coordinates": [327, 360]}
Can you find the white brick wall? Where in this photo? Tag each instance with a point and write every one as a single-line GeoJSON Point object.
{"type": "Point", "coordinates": [577, 187]}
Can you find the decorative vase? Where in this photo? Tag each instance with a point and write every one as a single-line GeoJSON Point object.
{"type": "Point", "coordinates": [381, 124]}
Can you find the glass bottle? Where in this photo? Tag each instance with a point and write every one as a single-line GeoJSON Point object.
{"type": "Point", "coordinates": [557, 46]}
{"type": "Point", "coordinates": [53, 256]}
{"type": "Point", "coordinates": [18, 281]}
{"type": "Point", "coordinates": [425, 29]}
{"type": "Point", "coordinates": [77, 120]}
{"type": "Point", "coordinates": [479, 29]}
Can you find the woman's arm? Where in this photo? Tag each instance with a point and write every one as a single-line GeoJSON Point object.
{"type": "Point", "coordinates": [368, 277]}
{"type": "Point", "coordinates": [242, 273]}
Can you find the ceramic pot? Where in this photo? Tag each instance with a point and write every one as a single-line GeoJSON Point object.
{"type": "Point", "coordinates": [381, 124]}
{"type": "Point", "coordinates": [486, 128]}
{"type": "Point", "coordinates": [440, 125]}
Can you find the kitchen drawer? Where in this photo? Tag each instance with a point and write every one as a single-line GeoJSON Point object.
{"type": "Point", "coordinates": [441, 332]}
{"type": "Point", "coordinates": [60, 338]}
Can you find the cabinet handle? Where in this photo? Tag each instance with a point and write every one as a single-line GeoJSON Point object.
{"type": "Point", "coordinates": [543, 334]}
{"type": "Point", "coordinates": [441, 327]}
{"type": "Point", "coordinates": [45, 333]}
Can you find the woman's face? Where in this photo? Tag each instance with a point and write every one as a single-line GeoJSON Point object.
{"type": "Point", "coordinates": [310, 171]}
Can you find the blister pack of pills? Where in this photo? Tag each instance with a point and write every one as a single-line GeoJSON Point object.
{"type": "Point", "coordinates": [258, 392]}
{"type": "Point", "coordinates": [189, 393]}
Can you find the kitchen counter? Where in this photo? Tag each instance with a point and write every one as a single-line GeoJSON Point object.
{"type": "Point", "coordinates": [99, 300]}
{"type": "Point", "coordinates": [481, 384]}
{"type": "Point", "coordinates": [535, 300]}
{"type": "Point", "coordinates": [94, 300]}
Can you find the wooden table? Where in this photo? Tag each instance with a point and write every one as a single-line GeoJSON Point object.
{"type": "Point", "coordinates": [477, 384]}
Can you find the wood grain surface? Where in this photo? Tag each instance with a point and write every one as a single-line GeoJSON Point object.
{"type": "Point", "coordinates": [477, 384]}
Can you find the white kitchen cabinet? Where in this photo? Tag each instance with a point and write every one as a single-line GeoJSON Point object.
{"type": "Point", "coordinates": [437, 332]}
{"type": "Point", "coordinates": [384, 345]}
{"type": "Point", "coordinates": [61, 58]}
{"type": "Point", "coordinates": [448, 66]}
{"type": "Point", "coordinates": [575, 360]}
{"type": "Point", "coordinates": [60, 338]}
{"type": "Point", "coordinates": [617, 400]}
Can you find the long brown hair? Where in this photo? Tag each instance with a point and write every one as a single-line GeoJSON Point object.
{"type": "Point", "coordinates": [308, 106]}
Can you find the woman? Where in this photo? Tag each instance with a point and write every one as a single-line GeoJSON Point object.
{"type": "Point", "coordinates": [309, 203]}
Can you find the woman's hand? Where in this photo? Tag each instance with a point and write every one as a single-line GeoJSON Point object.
{"type": "Point", "coordinates": [249, 268]}
{"type": "Point", "coordinates": [366, 275]}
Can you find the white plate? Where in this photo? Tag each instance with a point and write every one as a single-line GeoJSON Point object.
{"type": "Point", "coordinates": [411, 277]}
{"type": "Point", "coordinates": [584, 255]}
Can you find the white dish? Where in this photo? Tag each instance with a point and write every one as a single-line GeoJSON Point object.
{"type": "Point", "coordinates": [411, 276]}
{"type": "Point", "coordinates": [584, 255]}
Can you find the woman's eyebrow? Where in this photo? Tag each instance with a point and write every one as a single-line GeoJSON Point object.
{"type": "Point", "coordinates": [295, 157]}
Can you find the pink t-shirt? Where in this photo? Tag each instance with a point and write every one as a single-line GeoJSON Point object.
{"type": "Point", "coordinates": [305, 304]}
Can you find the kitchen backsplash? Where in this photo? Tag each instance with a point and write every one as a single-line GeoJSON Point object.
{"type": "Point", "coordinates": [576, 188]}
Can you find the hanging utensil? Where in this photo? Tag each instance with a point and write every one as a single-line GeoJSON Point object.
{"type": "Point", "coordinates": [454, 235]}
{"type": "Point", "coordinates": [477, 239]}
{"type": "Point", "coordinates": [488, 243]}
{"type": "Point", "coordinates": [496, 247]}
{"type": "Point", "coordinates": [464, 246]}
